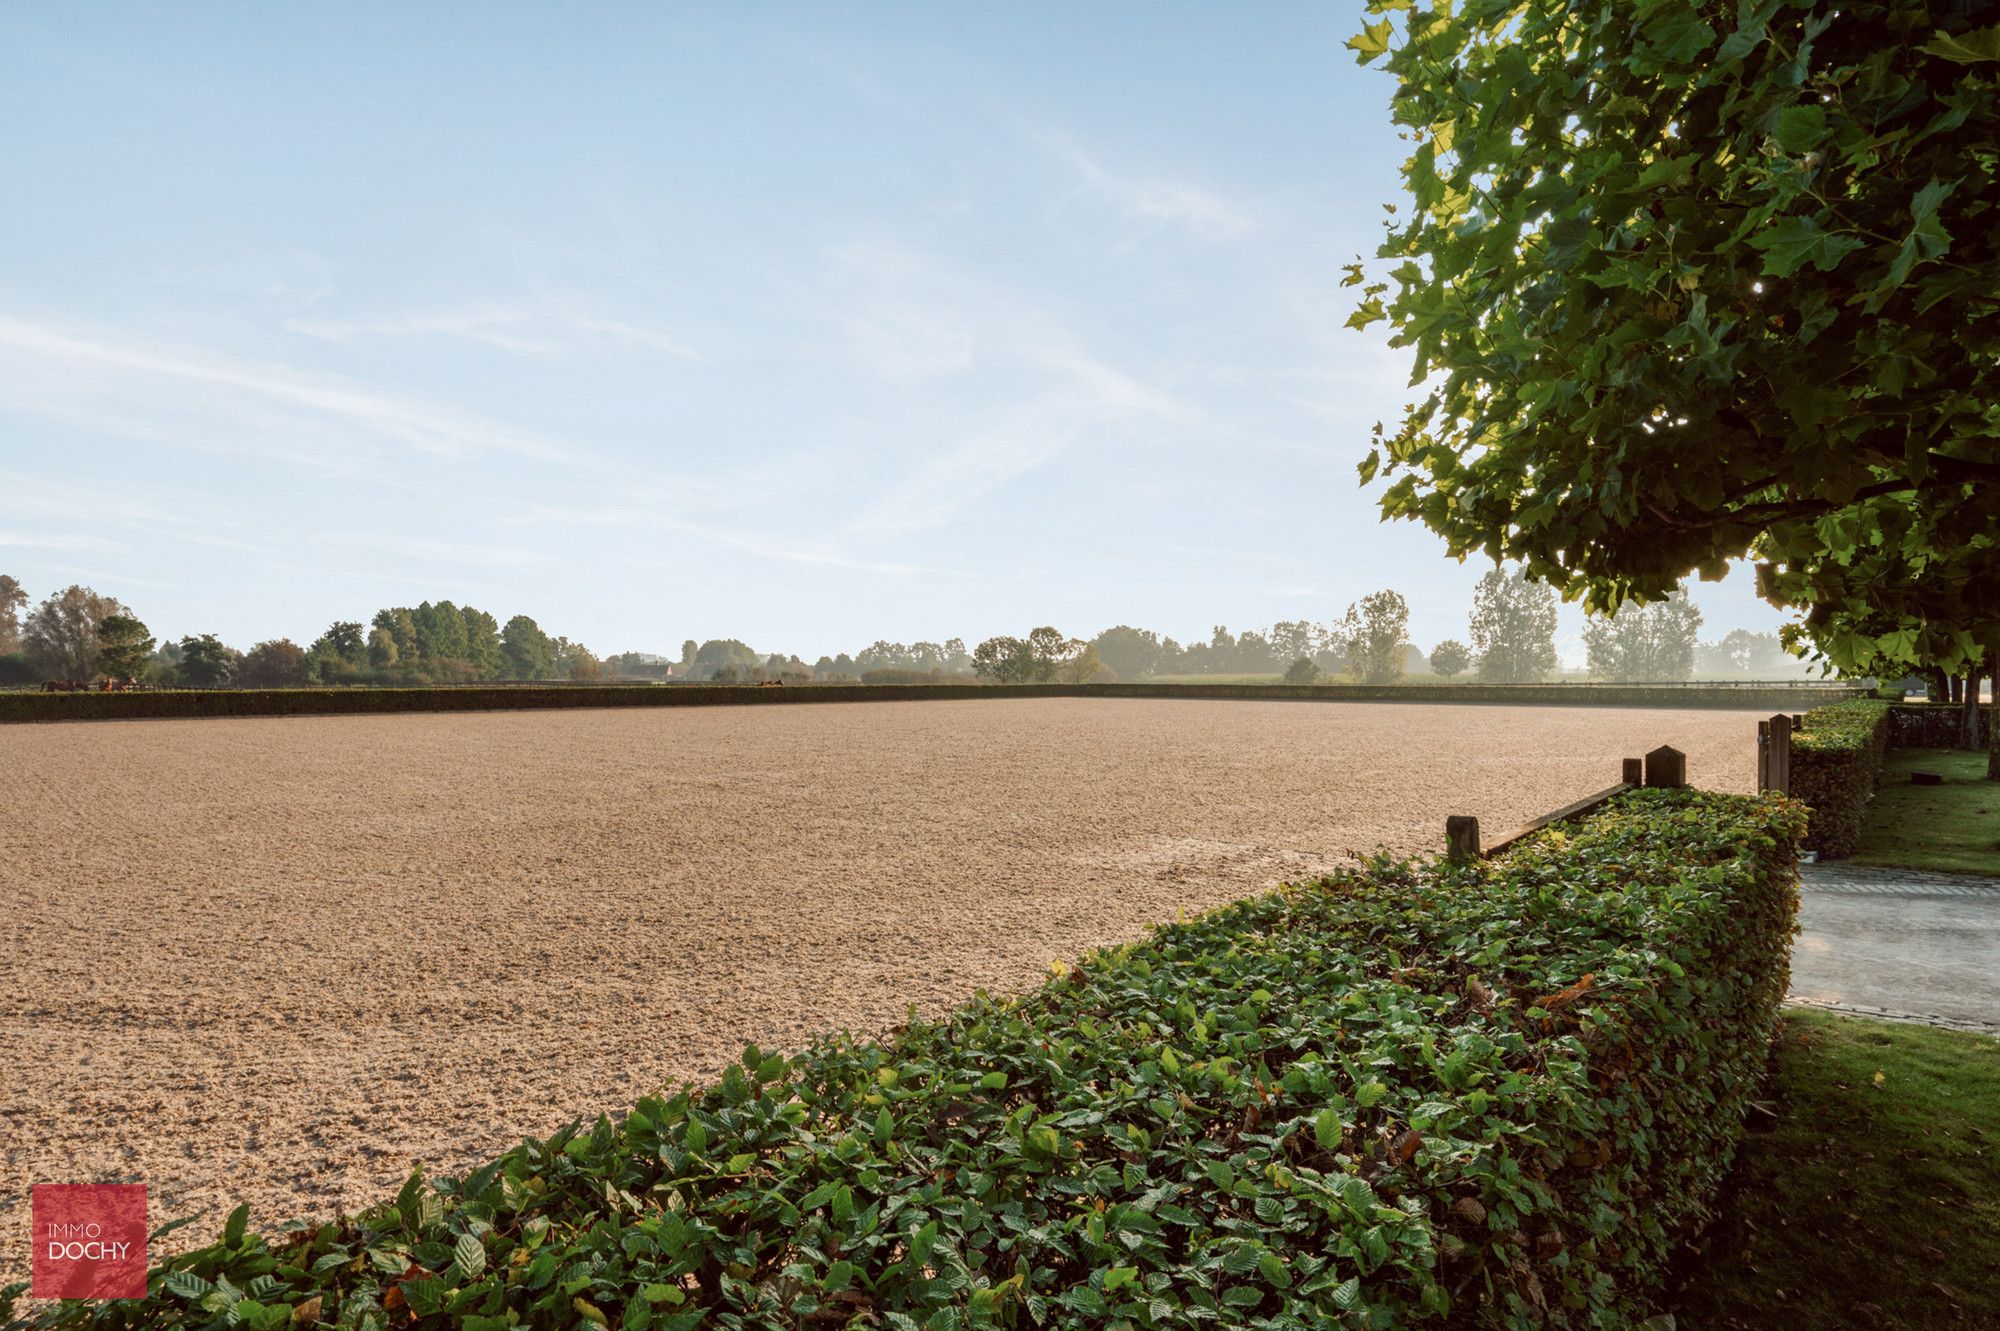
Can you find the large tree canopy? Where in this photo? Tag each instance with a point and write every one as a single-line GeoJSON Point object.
{"type": "Point", "coordinates": [1687, 281]}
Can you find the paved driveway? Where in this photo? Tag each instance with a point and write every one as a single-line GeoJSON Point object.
{"type": "Point", "coordinates": [1900, 943]}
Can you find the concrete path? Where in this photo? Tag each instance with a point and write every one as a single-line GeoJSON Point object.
{"type": "Point", "coordinates": [1900, 943]}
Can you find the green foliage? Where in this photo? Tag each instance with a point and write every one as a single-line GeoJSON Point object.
{"type": "Point", "coordinates": [206, 663]}
{"type": "Point", "coordinates": [1513, 628]}
{"type": "Point", "coordinates": [1691, 281]}
{"type": "Point", "coordinates": [1644, 642]}
{"type": "Point", "coordinates": [1373, 634]}
{"type": "Point", "coordinates": [527, 650]}
{"type": "Point", "coordinates": [1039, 658]}
{"type": "Point", "coordinates": [1302, 671]}
{"type": "Point", "coordinates": [1450, 657]}
{"type": "Point", "coordinates": [1489, 1093]}
{"type": "Point", "coordinates": [124, 647]}
{"type": "Point", "coordinates": [1836, 762]}
{"type": "Point", "coordinates": [278, 664]}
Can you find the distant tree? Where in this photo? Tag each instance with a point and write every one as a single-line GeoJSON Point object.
{"type": "Point", "coordinates": [165, 667]}
{"type": "Point", "coordinates": [1743, 652]}
{"type": "Point", "coordinates": [721, 652]}
{"type": "Point", "coordinates": [277, 664]}
{"type": "Point", "coordinates": [482, 643]}
{"type": "Point", "coordinates": [16, 668]}
{"type": "Point", "coordinates": [1450, 657]}
{"type": "Point", "coordinates": [60, 636]}
{"type": "Point", "coordinates": [440, 632]}
{"type": "Point", "coordinates": [399, 623]}
{"type": "Point", "coordinates": [1302, 671]}
{"type": "Point", "coordinates": [206, 663]}
{"type": "Point", "coordinates": [526, 650]}
{"type": "Point", "coordinates": [956, 658]}
{"type": "Point", "coordinates": [1128, 651]}
{"type": "Point", "coordinates": [688, 648]}
{"type": "Point", "coordinates": [1084, 666]}
{"type": "Point", "coordinates": [1253, 653]}
{"type": "Point", "coordinates": [1653, 642]}
{"type": "Point", "coordinates": [383, 653]}
{"type": "Point", "coordinates": [1005, 661]}
{"type": "Point", "coordinates": [1051, 650]}
{"type": "Point", "coordinates": [843, 664]}
{"type": "Point", "coordinates": [12, 601]}
{"type": "Point", "coordinates": [337, 654]}
{"type": "Point", "coordinates": [1292, 639]}
{"type": "Point", "coordinates": [124, 647]}
{"type": "Point", "coordinates": [1513, 628]}
{"type": "Point", "coordinates": [576, 661]}
{"type": "Point", "coordinates": [1375, 627]}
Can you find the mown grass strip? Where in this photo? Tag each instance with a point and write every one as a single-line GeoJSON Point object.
{"type": "Point", "coordinates": [1869, 1199]}
{"type": "Point", "coordinates": [1494, 1094]}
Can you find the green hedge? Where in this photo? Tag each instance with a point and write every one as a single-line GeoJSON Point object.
{"type": "Point", "coordinates": [1836, 763]}
{"type": "Point", "coordinates": [1413, 1094]}
{"type": "Point", "coordinates": [337, 701]}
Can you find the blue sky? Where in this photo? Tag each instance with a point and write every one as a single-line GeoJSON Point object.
{"type": "Point", "coordinates": [805, 325]}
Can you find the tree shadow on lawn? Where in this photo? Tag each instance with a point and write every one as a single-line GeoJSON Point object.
{"type": "Point", "coordinates": [1872, 1198]}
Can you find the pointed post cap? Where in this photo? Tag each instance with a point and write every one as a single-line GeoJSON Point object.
{"type": "Point", "coordinates": [1666, 766]}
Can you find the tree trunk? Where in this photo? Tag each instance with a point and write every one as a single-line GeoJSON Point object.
{"type": "Point", "coordinates": [1937, 685]}
{"type": "Point", "coordinates": [1993, 718]}
{"type": "Point", "coordinates": [1968, 712]}
{"type": "Point", "coordinates": [1957, 690]}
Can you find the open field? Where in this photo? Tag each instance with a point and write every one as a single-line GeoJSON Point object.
{"type": "Point", "coordinates": [278, 960]}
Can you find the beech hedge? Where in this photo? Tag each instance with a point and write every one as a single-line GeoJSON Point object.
{"type": "Point", "coordinates": [1836, 764]}
{"type": "Point", "coordinates": [1413, 1094]}
{"type": "Point", "coordinates": [186, 703]}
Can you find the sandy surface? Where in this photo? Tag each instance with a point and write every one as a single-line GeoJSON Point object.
{"type": "Point", "coordinates": [279, 960]}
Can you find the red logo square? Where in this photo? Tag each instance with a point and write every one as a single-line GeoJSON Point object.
{"type": "Point", "coordinates": [90, 1240]}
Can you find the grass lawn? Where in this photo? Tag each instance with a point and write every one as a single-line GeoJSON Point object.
{"type": "Point", "coordinates": [1954, 827]}
{"type": "Point", "coordinates": [1873, 1198]}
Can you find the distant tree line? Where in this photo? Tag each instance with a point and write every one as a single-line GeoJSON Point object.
{"type": "Point", "coordinates": [76, 634]}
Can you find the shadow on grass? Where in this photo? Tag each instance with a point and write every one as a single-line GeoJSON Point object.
{"type": "Point", "coordinates": [1953, 827]}
{"type": "Point", "coordinates": [1872, 1197]}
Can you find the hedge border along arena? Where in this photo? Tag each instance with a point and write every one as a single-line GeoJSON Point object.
{"type": "Point", "coordinates": [1836, 764]}
{"type": "Point", "coordinates": [168, 704]}
{"type": "Point", "coordinates": [1496, 1094]}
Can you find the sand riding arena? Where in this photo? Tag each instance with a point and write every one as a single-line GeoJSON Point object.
{"type": "Point", "coordinates": [279, 960]}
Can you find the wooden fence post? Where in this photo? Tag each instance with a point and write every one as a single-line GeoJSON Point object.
{"type": "Point", "coordinates": [1461, 837]}
{"type": "Point", "coordinates": [1666, 766]}
{"type": "Point", "coordinates": [1781, 754]}
{"type": "Point", "coordinates": [1633, 772]}
{"type": "Point", "coordinates": [1766, 779]}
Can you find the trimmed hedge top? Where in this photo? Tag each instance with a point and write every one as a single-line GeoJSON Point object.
{"type": "Point", "coordinates": [1842, 726]}
{"type": "Point", "coordinates": [1495, 1094]}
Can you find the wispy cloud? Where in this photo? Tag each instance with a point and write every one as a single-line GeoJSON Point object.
{"type": "Point", "coordinates": [102, 361]}
{"type": "Point", "coordinates": [1089, 399]}
{"type": "Point", "coordinates": [1155, 205]}
{"type": "Point", "coordinates": [521, 331]}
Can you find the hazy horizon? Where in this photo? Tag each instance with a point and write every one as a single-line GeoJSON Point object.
{"type": "Point", "coordinates": [801, 327]}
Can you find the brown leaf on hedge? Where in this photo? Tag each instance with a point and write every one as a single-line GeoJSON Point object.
{"type": "Point", "coordinates": [1562, 998]}
{"type": "Point", "coordinates": [1403, 1147]}
{"type": "Point", "coordinates": [1476, 990]}
{"type": "Point", "coordinates": [1469, 1209]}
